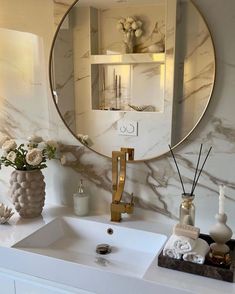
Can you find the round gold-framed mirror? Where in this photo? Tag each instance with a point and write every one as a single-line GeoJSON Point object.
{"type": "Point", "coordinates": [132, 73]}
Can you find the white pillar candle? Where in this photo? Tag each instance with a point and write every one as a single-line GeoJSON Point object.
{"type": "Point", "coordinates": [221, 199]}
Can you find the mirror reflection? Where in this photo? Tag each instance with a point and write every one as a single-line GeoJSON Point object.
{"type": "Point", "coordinates": [132, 73]}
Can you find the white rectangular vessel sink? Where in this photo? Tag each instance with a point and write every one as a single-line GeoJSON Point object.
{"type": "Point", "coordinates": [75, 240]}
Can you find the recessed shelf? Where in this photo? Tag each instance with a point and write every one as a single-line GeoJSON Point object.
{"type": "Point", "coordinates": [128, 58]}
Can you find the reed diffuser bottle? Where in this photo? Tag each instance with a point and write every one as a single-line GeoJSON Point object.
{"type": "Point", "coordinates": [187, 210]}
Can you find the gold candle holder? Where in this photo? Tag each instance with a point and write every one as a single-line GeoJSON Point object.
{"type": "Point", "coordinates": [221, 233]}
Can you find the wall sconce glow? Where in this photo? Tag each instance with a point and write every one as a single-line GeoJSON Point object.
{"type": "Point", "coordinates": [22, 59]}
{"type": "Point", "coordinates": [22, 78]}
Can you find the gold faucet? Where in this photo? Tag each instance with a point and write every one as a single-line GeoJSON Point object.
{"type": "Point", "coordinates": [118, 179]}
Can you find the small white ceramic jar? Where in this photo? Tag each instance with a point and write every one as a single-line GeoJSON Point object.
{"type": "Point", "coordinates": [81, 201]}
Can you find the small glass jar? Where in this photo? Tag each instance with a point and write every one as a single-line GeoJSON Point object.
{"type": "Point", "coordinates": [187, 210]}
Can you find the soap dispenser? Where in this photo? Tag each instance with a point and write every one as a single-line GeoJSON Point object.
{"type": "Point", "coordinates": [81, 201]}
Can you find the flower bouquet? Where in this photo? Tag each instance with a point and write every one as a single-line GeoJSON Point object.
{"type": "Point", "coordinates": [31, 157]}
{"type": "Point", "coordinates": [131, 29]}
{"type": "Point", "coordinates": [27, 189]}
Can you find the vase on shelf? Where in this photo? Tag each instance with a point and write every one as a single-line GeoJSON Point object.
{"type": "Point", "coordinates": [129, 40]}
{"type": "Point", "coordinates": [27, 191]}
{"type": "Point", "coordinates": [131, 28]}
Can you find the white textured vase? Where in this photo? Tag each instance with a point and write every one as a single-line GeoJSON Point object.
{"type": "Point", "coordinates": [28, 192]}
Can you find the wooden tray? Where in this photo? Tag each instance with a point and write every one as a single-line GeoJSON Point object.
{"type": "Point", "coordinates": [206, 269]}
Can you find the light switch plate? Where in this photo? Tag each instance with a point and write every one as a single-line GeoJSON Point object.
{"type": "Point", "coordinates": [127, 127]}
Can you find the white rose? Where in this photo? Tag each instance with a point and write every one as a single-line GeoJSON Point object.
{"type": "Point", "coordinates": [9, 145]}
{"type": "Point", "coordinates": [34, 157]}
{"type": "Point", "coordinates": [127, 26]}
{"type": "Point", "coordinates": [11, 156]}
{"type": "Point", "coordinates": [122, 20]}
{"type": "Point", "coordinates": [139, 23]}
{"type": "Point", "coordinates": [130, 19]}
{"type": "Point", "coordinates": [134, 25]}
{"type": "Point", "coordinates": [35, 139]}
{"type": "Point", "coordinates": [138, 33]}
{"type": "Point", "coordinates": [3, 139]}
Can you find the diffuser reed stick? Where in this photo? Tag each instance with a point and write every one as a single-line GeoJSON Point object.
{"type": "Point", "coordinates": [177, 168]}
{"type": "Point", "coordinates": [201, 171]}
{"type": "Point", "coordinates": [196, 177]}
{"type": "Point", "coordinates": [198, 161]}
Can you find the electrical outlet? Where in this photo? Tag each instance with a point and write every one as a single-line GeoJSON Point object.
{"type": "Point", "coordinates": [127, 127]}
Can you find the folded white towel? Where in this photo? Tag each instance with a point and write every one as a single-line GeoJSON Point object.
{"type": "Point", "coordinates": [197, 255]}
{"type": "Point", "coordinates": [169, 250]}
{"type": "Point", "coordinates": [183, 244]}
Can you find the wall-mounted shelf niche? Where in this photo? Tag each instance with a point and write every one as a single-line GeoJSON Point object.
{"type": "Point", "coordinates": [120, 79]}
{"type": "Point", "coordinates": [119, 86]}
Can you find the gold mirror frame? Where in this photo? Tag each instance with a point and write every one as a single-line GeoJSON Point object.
{"type": "Point", "coordinates": [177, 144]}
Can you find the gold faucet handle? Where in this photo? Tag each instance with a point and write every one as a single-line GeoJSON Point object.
{"type": "Point", "coordinates": [129, 152]}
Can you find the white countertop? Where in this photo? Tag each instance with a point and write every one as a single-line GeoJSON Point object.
{"type": "Point", "coordinates": [156, 278]}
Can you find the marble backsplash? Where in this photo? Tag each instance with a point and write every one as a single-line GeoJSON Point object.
{"type": "Point", "coordinates": [155, 183]}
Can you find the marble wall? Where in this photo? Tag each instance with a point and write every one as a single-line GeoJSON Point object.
{"type": "Point", "coordinates": [155, 183]}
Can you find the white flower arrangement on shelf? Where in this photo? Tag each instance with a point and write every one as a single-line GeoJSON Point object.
{"type": "Point", "coordinates": [130, 27]}
{"type": "Point", "coordinates": [31, 157]}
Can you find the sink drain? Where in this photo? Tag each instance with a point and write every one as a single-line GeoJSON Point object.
{"type": "Point", "coordinates": [110, 231]}
{"type": "Point", "coordinates": [103, 249]}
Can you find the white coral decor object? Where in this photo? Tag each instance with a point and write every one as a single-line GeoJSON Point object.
{"type": "Point", "coordinates": [5, 213]}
